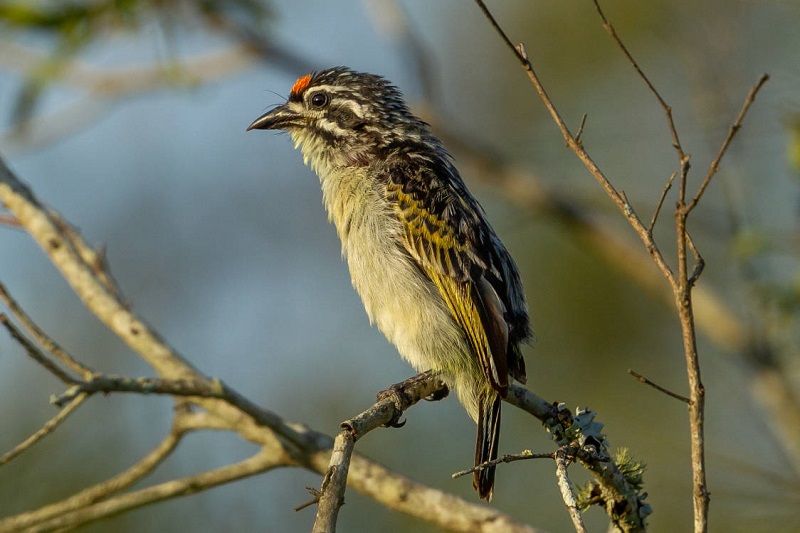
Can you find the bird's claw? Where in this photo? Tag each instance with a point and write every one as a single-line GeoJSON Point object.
{"type": "Point", "coordinates": [396, 396]}
{"type": "Point", "coordinates": [440, 394]}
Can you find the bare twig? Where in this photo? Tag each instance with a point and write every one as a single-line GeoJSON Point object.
{"type": "Point", "coordinates": [580, 129]}
{"type": "Point", "coordinates": [735, 127]}
{"type": "Point", "coordinates": [699, 262]}
{"type": "Point", "coordinates": [313, 501]}
{"type": "Point", "coordinates": [195, 388]}
{"type": "Point", "coordinates": [682, 289]}
{"type": "Point", "coordinates": [683, 301]}
{"type": "Point", "coordinates": [261, 462]}
{"type": "Point", "coordinates": [42, 338]}
{"type": "Point", "coordinates": [508, 458]}
{"type": "Point", "coordinates": [567, 492]}
{"type": "Point", "coordinates": [676, 143]}
{"type": "Point", "coordinates": [99, 491]}
{"type": "Point", "coordinates": [34, 352]}
{"type": "Point", "coordinates": [173, 387]}
{"type": "Point", "coordinates": [47, 429]}
{"type": "Point", "coordinates": [659, 205]}
{"type": "Point", "coordinates": [577, 148]}
{"type": "Point", "coordinates": [640, 378]}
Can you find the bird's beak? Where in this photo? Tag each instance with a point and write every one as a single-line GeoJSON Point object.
{"type": "Point", "coordinates": [279, 118]}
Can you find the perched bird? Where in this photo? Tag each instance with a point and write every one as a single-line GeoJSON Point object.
{"type": "Point", "coordinates": [431, 271]}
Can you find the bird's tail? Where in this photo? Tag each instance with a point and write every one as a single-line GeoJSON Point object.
{"type": "Point", "coordinates": [487, 444]}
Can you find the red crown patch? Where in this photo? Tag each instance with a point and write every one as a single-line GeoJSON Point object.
{"type": "Point", "coordinates": [301, 84]}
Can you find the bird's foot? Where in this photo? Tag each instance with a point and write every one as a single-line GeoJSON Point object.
{"type": "Point", "coordinates": [440, 394]}
{"type": "Point", "coordinates": [396, 395]}
{"type": "Point", "coordinates": [401, 399]}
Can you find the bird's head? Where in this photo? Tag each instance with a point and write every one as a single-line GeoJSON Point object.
{"type": "Point", "coordinates": [339, 117]}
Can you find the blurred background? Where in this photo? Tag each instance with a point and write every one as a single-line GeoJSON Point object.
{"type": "Point", "coordinates": [129, 117]}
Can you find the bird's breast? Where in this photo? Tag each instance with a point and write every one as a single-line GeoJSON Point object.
{"type": "Point", "coordinates": [398, 297]}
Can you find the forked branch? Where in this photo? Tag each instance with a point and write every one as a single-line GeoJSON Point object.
{"type": "Point", "coordinates": [682, 283]}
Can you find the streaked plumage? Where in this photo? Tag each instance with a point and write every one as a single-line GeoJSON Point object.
{"type": "Point", "coordinates": [431, 272]}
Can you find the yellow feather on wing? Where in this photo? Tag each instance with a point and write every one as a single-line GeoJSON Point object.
{"type": "Point", "coordinates": [473, 303]}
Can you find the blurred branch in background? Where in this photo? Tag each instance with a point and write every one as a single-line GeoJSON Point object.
{"type": "Point", "coordinates": [74, 26]}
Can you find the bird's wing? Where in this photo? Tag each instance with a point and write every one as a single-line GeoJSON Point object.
{"type": "Point", "coordinates": [447, 236]}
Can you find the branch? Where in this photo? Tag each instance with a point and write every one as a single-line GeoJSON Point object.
{"type": "Point", "coordinates": [101, 491]}
{"type": "Point", "coordinates": [330, 497]}
{"type": "Point", "coordinates": [386, 411]}
{"type": "Point", "coordinates": [265, 460]}
{"type": "Point", "coordinates": [567, 492]}
{"type": "Point", "coordinates": [504, 459]}
{"type": "Point", "coordinates": [735, 127]}
{"type": "Point", "coordinates": [34, 352]}
{"type": "Point", "coordinates": [686, 281]}
{"type": "Point", "coordinates": [618, 494]}
{"type": "Point", "coordinates": [47, 429]}
{"type": "Point", "coordinates": [106, 384]}
{"type": "Point", "coordinates": [641, 379]}
{"type": "Point", "coordinates": [41, 337]}
{"type": "Point", "coordinates": [676, 142]}
{"type": "Point", "coordinates": [436, 507]}
{"type": "Point", "coordinates": [681, 284]}
{"type": "Point", "coordinates": [621, 203]}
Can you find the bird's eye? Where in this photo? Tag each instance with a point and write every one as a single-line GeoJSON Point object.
{"type": "Point", "coordinates": [320, 99]}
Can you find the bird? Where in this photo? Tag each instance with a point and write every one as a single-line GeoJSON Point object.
{"type": "Point", "coordinates": [431, 272]}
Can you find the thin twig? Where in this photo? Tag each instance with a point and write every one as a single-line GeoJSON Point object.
{"type": "Point", "coordinates": [699, 262]}
{"type": "Point", "coordinates": [567, 492]}
{"type": "Point", "coordinates": [48, 428]}
{"type": "Point", "coordinates": [264, 460]}
{"type": "Point", "coordinates": [683, 301]}
{"type": "Point", "coordinates": [660, 204]}
{"type": "Point", "coordinates": [313, 501]}
{"type": "Point", "coordinates": [488, 14]}
{"type": "Point", "coordinates": [100, 491]}
{"type": "Point", "coordinates": [34, 352]}
{"type": "Point", "coordinates": [667, 109]}
{"type": "Point", "coordinates": [640, 378]}
{"type": "Point", "coordinates": [580, 129]}
{"type": "Point", "coordinates": [105, 384]}
{"type": "Point", "coordinates": [42, 338]}
{"type": "Point", "coordinates": [735, 127]}
{"type": "Point", "coordinates": [94, 259]}
{"type": "Point", "coordinates": [583, 155]}
{"type": "Point", "coordinates": [508, 458]}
